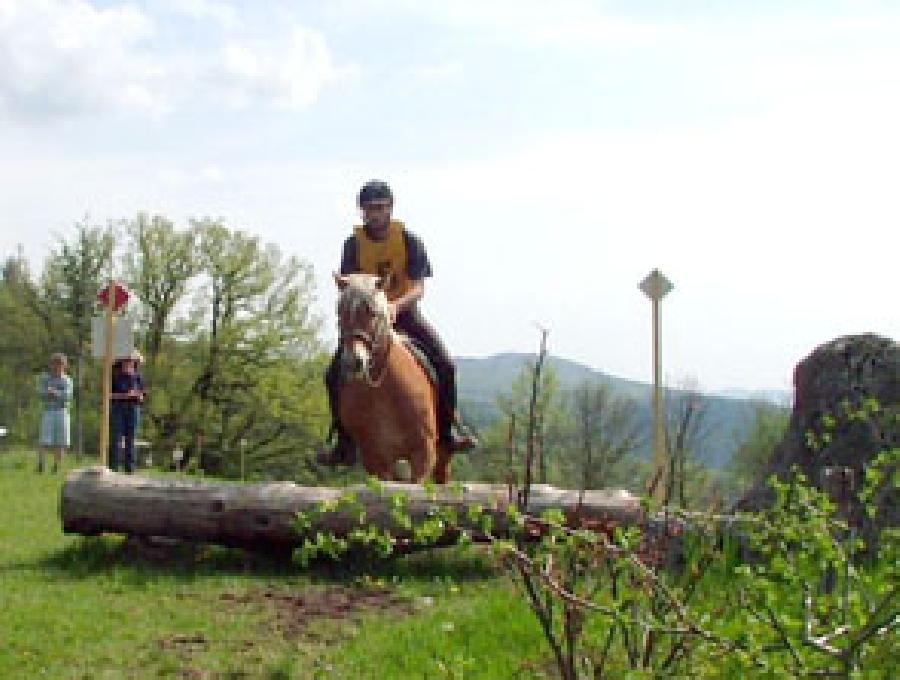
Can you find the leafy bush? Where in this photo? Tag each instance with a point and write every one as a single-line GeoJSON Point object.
{"type": "Point", "coordinates": [783, 593]}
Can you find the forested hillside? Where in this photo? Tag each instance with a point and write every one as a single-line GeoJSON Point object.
{"type": "Point", "coordinates": [724, 422]}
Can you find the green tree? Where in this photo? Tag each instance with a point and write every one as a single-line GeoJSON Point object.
{"type": "Point", "coordinates": [606, 431]}
{"type": "Point", "coordinates": [160, 263]}
{"type": "Point", "coordinates": [24, 349]}
{"type": "Point", "coordinates": [751, 457]}
{"type": "Point", "coordinates": [258, 393]}
{"type": "Point", "coordinates": [74, 271]}
{"type": "Point", "coordinates": [233, 347]}
{"type": "Point", "coordinates": [547, 412]}
{"type": "Point", "coordinates": [504, 443]}
{"type": "Point", "coordinates": [686, 425]}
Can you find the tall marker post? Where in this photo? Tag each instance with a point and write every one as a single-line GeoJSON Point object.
{"type": "Point", "coordinates": [655, 286]}
{"type": "Point", "coordinates": [113, 297]}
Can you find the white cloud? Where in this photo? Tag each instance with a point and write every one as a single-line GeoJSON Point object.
{"type": "Point", "coordinates": [63, 56]}
{"type": "Point", "coordinates": [563, 22]}
{"type": "Point", "coordinates": [288, 73]}
{"type": "Point", "coordinates": [220, 13]}
{"type": "Point", "coordinates": [447, 70]}
{"type": "Point", "coordinates": [175, 177]}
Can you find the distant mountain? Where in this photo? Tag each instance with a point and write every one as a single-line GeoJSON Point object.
{"type": "Point", "coordinates": [728, 418]}
{"type": "Point", "coordinates": [777, 397]}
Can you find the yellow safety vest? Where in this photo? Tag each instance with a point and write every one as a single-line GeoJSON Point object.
{"type": "Point", "coordinates": [385, 258]}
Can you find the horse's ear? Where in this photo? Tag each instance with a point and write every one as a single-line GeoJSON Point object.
{"type": "Point", "coordinates": [340, 281]}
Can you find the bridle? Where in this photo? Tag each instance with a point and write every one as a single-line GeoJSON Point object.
{"type": "Point", "coordinates": [375, 341]}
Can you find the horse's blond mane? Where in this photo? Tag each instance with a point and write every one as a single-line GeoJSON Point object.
{"type": "Point", "coordinates": [361, 290]}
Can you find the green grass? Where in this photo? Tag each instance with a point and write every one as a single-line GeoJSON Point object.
{"type": "Point", "coordinates": [101, 607]}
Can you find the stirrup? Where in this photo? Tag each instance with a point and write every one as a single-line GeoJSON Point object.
{"type": "Point", "coordinates": [342, 453]}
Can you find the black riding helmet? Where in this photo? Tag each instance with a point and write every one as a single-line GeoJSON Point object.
{"type": "Point", "coordinates": [374, 190]}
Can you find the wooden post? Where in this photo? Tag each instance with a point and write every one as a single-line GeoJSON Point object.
{"type": "Point", "coordinates": [510, 456]}
{"type": "Point", "coordinates": [659, 432]}
{"type": "Point", "coordinates": [655, 286]}
{"type": "Point", "coordinates": [107, 372]}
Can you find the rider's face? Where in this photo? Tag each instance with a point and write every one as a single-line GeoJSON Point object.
{"type": "Point", "coordinates": [377, 216]}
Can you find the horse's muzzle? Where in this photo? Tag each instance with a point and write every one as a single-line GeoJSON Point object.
{"type": "Point", "coordinates": [355, 357]}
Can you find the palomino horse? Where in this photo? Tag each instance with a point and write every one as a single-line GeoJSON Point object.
{"type": "Point", "coordinates": [387, 400]}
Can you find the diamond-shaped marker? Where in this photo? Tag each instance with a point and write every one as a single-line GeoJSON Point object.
{"type": "Point", "coordinates": [120, 296]}
{"type": "Point", "coordinates": [655, 285]}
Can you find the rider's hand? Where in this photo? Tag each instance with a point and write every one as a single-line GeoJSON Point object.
{"type": "Point", "coordinates": [392, 312]}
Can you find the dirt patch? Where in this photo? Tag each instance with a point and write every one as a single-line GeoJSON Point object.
{"type": "Point", "coordinates": [187, 642]}
{"type": "Point", "coordinates": [297, 611]}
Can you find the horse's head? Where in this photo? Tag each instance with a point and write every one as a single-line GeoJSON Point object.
{"type": "Point", "coordinates": [363, 321]}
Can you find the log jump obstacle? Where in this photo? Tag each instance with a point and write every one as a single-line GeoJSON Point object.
{"type": "Point", "coordinates": [262, 516]}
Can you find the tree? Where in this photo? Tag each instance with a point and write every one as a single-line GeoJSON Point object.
{"type": "Point", "coordinates": [606, 431]}
{"type": "Point", "coordinates": [258, 390]}
{"type": "Point", "coordinates": [24, 349]}
{"type": "Point", "coordinates": [159, 265]}
{"type": "Point", "coordinates": [686, 423]}
{"type": "Point", "coordinates": [536, 404]}
{"type": "Point", "coordinates": [752, 456]}
{"type": "Point", "coordinates": [75, 270]}
{"type": "Point", "coordinates": [234, 358]}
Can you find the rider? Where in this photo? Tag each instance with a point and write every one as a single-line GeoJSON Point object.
{"type": "Point", "coordinates": [384, 247]}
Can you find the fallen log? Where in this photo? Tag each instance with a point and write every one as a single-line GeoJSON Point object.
{"type": "Point", "coordinates": [263, 515]}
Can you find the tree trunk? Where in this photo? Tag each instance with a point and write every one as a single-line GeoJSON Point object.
{"type": "Point", "coordinates": [261, 515]}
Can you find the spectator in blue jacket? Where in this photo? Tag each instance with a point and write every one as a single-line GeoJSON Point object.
{"type": "Point", "coordinates": [126, 397]}
{"type": "Point", "coordinates": [55, 389]}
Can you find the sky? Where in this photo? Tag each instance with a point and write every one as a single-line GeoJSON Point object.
{"type": "Point", "coordinates": [549, 155]}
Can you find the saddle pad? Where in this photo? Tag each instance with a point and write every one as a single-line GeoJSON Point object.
{"type": "Point", "coordinates": [419, 354]}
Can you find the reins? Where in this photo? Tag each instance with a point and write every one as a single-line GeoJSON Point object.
{"type": "Point", "coordinates": [375, 341]}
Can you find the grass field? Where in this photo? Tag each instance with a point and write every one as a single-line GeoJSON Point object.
{"type": "Point", "coordinates": [107, 607]}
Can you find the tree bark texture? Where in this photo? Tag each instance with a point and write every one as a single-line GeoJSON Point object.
{"type": "Point", "coordinates": [262, 515]}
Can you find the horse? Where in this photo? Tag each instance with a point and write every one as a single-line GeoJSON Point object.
{"type": "Point", "coordinates": [387, 401]}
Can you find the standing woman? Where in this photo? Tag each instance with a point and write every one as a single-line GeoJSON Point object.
{"type": "Point", "coordinates": [55, 389]}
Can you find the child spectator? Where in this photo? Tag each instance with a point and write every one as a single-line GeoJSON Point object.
{"type": "Point", "coordinates": [126, 397]}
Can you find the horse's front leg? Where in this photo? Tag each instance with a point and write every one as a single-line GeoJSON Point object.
{"type": "Point", "coordinates": [423, 460]}
{"type": "Point", "coordinates": [379, 465]}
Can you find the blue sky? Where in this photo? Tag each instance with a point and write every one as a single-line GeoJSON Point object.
{"type": "Point", "coordinates": [549, 154]}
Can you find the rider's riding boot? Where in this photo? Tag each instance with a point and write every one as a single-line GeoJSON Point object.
{"type": "Point", "coordinates": [342, 453]}
{"type": "Point", "coordinates": [457, 435]}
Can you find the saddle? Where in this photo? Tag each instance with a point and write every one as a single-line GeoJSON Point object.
{"type": "Point", "coordinates": [419, 355]}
